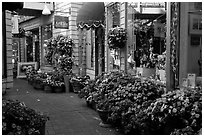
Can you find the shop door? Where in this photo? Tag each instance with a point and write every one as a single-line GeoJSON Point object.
{"type": "Point", "coordinates": [99, 51]}
{"type": "Point", "coordinates": [90, 53]}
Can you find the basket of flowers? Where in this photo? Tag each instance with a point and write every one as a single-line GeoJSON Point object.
{"type": "Point", "coordinates": [117, 37]}
{"type": "Point", "coordinates": [18, 119]}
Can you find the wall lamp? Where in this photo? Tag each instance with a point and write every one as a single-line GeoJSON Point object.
{"type": "Point", "coordinates": [46, 11]}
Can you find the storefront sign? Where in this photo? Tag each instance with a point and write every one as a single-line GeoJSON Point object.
{"type": "Point", "coordinates": [159, 30]}
{"type": "Point", "coordinates": [61, 22]}
{"type": "Point", "coordinates": [15, 24]}
{"type": "Point", "coordinates": [152, 4]}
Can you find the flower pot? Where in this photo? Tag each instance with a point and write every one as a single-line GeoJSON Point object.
{"type": "Point", "coordinates": [38, 86]}
{"type": "Point", "coordinates": [58, 89]}
{"type": "Point", "coordinates": [48, 88]}
{"type": "Point", "coordinates": [103, 115]}
{"type": "Point", "coordinates": [145, 72]}
{"type": "Point", "coordinates": [42, 129]}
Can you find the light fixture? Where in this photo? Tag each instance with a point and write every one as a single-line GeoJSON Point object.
{"type": "Point", "coordinates": [46, 11]}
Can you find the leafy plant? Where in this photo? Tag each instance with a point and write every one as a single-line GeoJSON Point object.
{"type": "Point", "coordinates": [17, 119]}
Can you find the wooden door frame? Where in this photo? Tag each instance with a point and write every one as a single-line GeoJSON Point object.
{"type": "Point", "coordinates": [97, 54]}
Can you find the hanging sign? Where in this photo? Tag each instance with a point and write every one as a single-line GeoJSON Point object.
{"type": "Point", "coordinates": [15, 24]}
{"type": "Point", "coordinates": [159, 30]}
{"type": "Point", "coordinates": [61, 22]}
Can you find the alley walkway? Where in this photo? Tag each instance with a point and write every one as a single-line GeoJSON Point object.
{"type": "Point", "coordinates": [68, 114]}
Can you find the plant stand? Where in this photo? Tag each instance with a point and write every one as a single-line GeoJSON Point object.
{"type": "Point", "coordinates": [67, 84]}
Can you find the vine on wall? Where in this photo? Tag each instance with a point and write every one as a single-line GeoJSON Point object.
{"type": "Point", "coordinates": [174, 42]}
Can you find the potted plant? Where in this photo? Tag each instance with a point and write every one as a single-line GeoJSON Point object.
{"type": "Point", "coordinates": [58, 86]}
{"type": "Point", "coordinates": [103, 110]}
{"type": "Point", "coordinates": [48, 84]}
{"type": "Point", "coordinates": [117, 37]}
{"type": "Point", "coordinates": [17, 119]}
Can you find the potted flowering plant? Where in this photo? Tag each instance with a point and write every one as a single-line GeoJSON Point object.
{"type": "Point", "coordinates": [17, 119]}
{"type": "Point", "coordinates": [117, 37]}
{"type": "Point", "coordinates": [48, 84]}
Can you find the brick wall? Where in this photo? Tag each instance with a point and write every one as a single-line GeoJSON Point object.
{"type": "Point", "coordinates": [8, 82]}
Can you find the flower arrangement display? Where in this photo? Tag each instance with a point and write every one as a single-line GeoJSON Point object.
{"type": "Point", "coordinates": [17, 119]}
{"type": "Point", "coordinates": [117, 37]}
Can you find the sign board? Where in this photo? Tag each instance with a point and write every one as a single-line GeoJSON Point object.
{"type": "Point", "coordinates": [159, 30]}
{"type": "Point", "coordinates": [61, 22]}
{"type": "Point", "coordinates": [192, 80]}
{"type": "Point", "coordinates": [15, 24]}
{"type": "Point", "coordinates": [153, 4]}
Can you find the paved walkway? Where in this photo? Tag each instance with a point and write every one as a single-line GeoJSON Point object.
{"type": "Point", "coordinates": [68, 114]}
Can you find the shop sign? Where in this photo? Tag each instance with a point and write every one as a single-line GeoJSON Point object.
{"type": "Point", "coordinates": [15, 24]}
{"type": "Point", "coordinates": [159, 30]}
{"type": "Point", "coordinates": [152, 4]}
{"type": "Point", "coordinates": [61, 22]}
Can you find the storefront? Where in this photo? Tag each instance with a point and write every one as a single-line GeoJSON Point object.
{"type": "Point", "coordinates": [91, 32]}
{"type": "Point", "coordinates": [151, 45]}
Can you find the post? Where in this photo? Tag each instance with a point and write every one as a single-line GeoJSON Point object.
{"type": "Point", "coordinates": [169, 73]}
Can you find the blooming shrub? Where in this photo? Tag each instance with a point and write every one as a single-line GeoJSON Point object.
{"type": "Point", "coordinates": [17, 119]}
{"type": "Point", "coordinates": [140, 106]}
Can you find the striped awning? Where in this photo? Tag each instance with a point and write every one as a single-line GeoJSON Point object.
{"type": "Point", "coordinates": [91, 14]}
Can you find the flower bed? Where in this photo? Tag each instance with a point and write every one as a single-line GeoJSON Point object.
{"type": "Point", "coordinates": [139, 106]}
{"type": "Point", "coordinates": [17, 119]}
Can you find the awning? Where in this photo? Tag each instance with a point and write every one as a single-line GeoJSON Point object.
{"type": "Point", "coordinates": [91, 14]}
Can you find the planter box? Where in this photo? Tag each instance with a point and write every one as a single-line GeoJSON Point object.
{"type": "Point", "coordinates": [48, 89]}
{"type": "Point", "coordinates": [38, 86]}
{"type": "Point", "coordinates": [145, 72]}
{"type": "Point", "coordinates": [58, 89]}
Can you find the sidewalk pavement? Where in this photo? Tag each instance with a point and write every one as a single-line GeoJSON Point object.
{"type": "Point", "coordinates": [68, 114]}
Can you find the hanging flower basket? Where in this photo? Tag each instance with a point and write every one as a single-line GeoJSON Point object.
{"type": "Point", "coordinates": [117, 37]}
